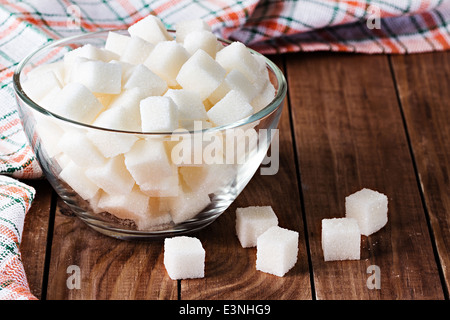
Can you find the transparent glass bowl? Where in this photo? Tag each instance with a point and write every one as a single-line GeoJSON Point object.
{"type": "Point", "coordinates": [187, 201]}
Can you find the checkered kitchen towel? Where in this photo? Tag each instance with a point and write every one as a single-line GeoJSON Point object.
{"type": "Point", "coordinates": [269, 26]}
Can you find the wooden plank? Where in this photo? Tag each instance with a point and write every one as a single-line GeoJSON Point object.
{"type": "Point", "coordinates": [109, 268]}
{"type": "Point", "coordinates": [423, 83]}
{"type": "Point", "coordinates": [230, 271]}
{"type": "Point", "coordinates": [34, 238]}
{"type": "Point", "coordinates": [349, 135]}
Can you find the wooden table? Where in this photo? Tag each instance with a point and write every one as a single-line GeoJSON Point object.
{"type": "Point", "coordinates": [350, 121]}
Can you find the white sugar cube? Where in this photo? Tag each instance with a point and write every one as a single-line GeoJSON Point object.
{"type": "Point", "coordinates": [151, 29]}
{"type": "Point", "coordinates": [229, 109]}
{"type": "Point", "coordinates": [369, 208]}
{"type": "Point", "coordinates": [124, 117]}
{"type": "Point", "coordinates": [205, 40]}
{"type": "Point", "coordinates": [207, 178]}
{"type": "Point", "coordinates": [183, 28]}
{"type": "Point", "coordinates": [187, 205]}
{"type": "Point", "coordinates": [76, 102]}
{"type": "Point", "coordinates": [111, 144]}
{"type": "Point", "coordinates": [113, 177]}
{"type": "Point", "coordinates": [57, 67]}
{"type": "Point", "coordinates": [277, 251]}
{"type": "Point", "coordinates": [99, 76]}
{"type": "Point", "coordinates": [264, 97]}
{"type": "Point", "coordinates": [116, 42]}
{"type": "Point", "coordinates": [166, 60]}
{"type": "Point", "coordinates": [341, 239]}
{"type": "Point", "coordinates": [184, 257]}
{"type": "Point", "coordinates": [158, 214]}
{"type": "Point", "coordinates": [235, 80]}
{"type": "Point", "coordinates": [76, 178]}
{"type": "Point", "coordinates": [79, 149]}
{"type": "Point", "coordinates": [237, 56]}
{"type": "Point", "coordinates": [87, 51]}
{"type": "Point", "coordinates": [149, 83]}
{"type": "Point", "coordinates": [129, 99]}
{"type": "Point", "coordinates": [158, 114]}
{"type": "Point", "coordinates": [38, 86]}
{"type": "Point", "coordinates": [201, 74]}
{"type": "Point", "coordinates": [253, 221]}
{"type": "Point", "coordinates": [49, 133]}
{"type": "Point", "coordinates": [131, 206]}
{"type": "Point", "coordinates": [190, 106]}
{"type": "Point", "coordinates": [149, 164]}
{"type": "Point", "coordinates": [136, 51]}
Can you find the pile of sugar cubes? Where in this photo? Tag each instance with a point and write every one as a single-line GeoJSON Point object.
{"type": "Point", "coordinates": [145, 81]}
{"type": "Point", "coordinates": [365, 213]}
{"type": "Point", "coordinates": [256, 226]}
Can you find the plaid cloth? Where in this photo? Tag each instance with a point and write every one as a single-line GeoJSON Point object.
{"type": "Point", "coordinates": [268, 26]}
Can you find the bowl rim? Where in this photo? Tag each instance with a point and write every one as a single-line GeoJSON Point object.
{"type": "Point", "coordinates": [254, 118]}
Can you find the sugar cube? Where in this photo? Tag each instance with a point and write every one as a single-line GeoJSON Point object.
{"type": "Point", "coordinates": [149, 83]}
{"type": "Point", "coordinates": [116, 42]}
{"type": "Point", "coordinates": [158, 114]}
{"type": "Point", "coordinates": [99, 76]}
{"type": "Point", "coordinates": [184, 257]}
{"type": "Point", "coordinates": [201, 74]}
{"type": "Point", "coordinates": [166, 60]}
{"type": "Point", "coordinates": [124, 117]}
{"type": "Point", "coordinates": [253, 221]}
{"type": "Point", "coordinates": [190, 106]}
{"type": "Point", "coordinates": [38, 86]}
{"type": "Point", "coordinates": [111, 144]}
{"type": "Point", "coordinates": [265, 96]}
{"type": "Point", "coordinates": [136, 51]}
{"type": "Point", "coordinates": [207, 178]}
{"type": "Point", "coordinates": [113, 177]}
{"type": "Point", "coordinates": [76, 102]}
{"type": "Point", "coordinates": [87, 51]}
{"type": "Point", "coordinates": [130, 206]}
{"type": "Point", "coordinates": [277, 251]}
{"type": "Point", "coordinates": [341, 239]}
{"type": "Point", "coordinates": [231, 108]}
{"type": "Point", "coordinates": [238, 56]}
{"type": "Point", "coordinates": [203, 39]}
{"type": "Point", "coordinates": [149, 164]}
{"type": "Point", "coordinates": [187, 204]}
{"type": "Point", "coordinates": [76, 145]}
{"type": "Point", "coordinates": [369, 208]}
{"type": "Point", "coordinates": [150, 29]}
{"type": "Point", "coordinates": [183, 28]}
{"type": "Point", "coordinates": [235, 80]}
{"type": "Point", "coordinates": [75, 177]}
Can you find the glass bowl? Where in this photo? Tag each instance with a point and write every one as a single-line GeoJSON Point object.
{"type": "Point", "coordinates": [183, 200]}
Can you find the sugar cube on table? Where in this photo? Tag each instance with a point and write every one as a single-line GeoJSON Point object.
{"type": "Point", "coordinates": [166, 60]}
{"type": "Point", "coordinates": [136, 51]}
{"type": "Point", "coordinates": [158, 114]}
{"type": "Point", "coordinates": [116, 42]}
{"type": "Point", "coordinates": [341, 239]}
{"type": "Point", "coordinates": [277, 251]}
{"type": "Point", "coordinates": [369, 208]}
{"type": "Point", "coordinates": [231, 108]}
{"type": "Point", "coordinates": [203, 39]}
{"type": "Point", "coordinates": [253, 221]}
{"type": "Point", "coordinates": [131, 206]}
{"type": "Point", "coordinates": [151, 29]}
{"type": "Point", "coordinates": [76, 102]}
{"type": "Point", "coordinates": [238, 56]}
{"type": "Point", "coordinates": [76, 145]}
{"type": "Point", "coordinates": [201, 73]}
{"type": "Point", "coordinates": [143, 78]}
{"type": "Point", "coordinates": [184, 257]}
{"type": "Point", "coordinates": [183, 28]}
{"type": "Point", "coordinates": [75, 177]}
{"type": "Point", "coordinates": [113, 177]}
{"type": "Point", "coordinates": [99, 76]}
{"type": "Point", "coordinates": [190, 106]}
{"type": "Point", "coordinates": [235, 80]}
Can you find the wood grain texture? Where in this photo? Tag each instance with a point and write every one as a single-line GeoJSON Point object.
{"type": "Point", "coordinates": [109, 268]}
{"type": "Point", "coordinates": [350, 135]}
{"type": "Point", "coordinates": [423, 83]}
{"type": "Point", "coordinates": [35, 236]}
{"type": "Point", "coordinates": [230, 269]}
